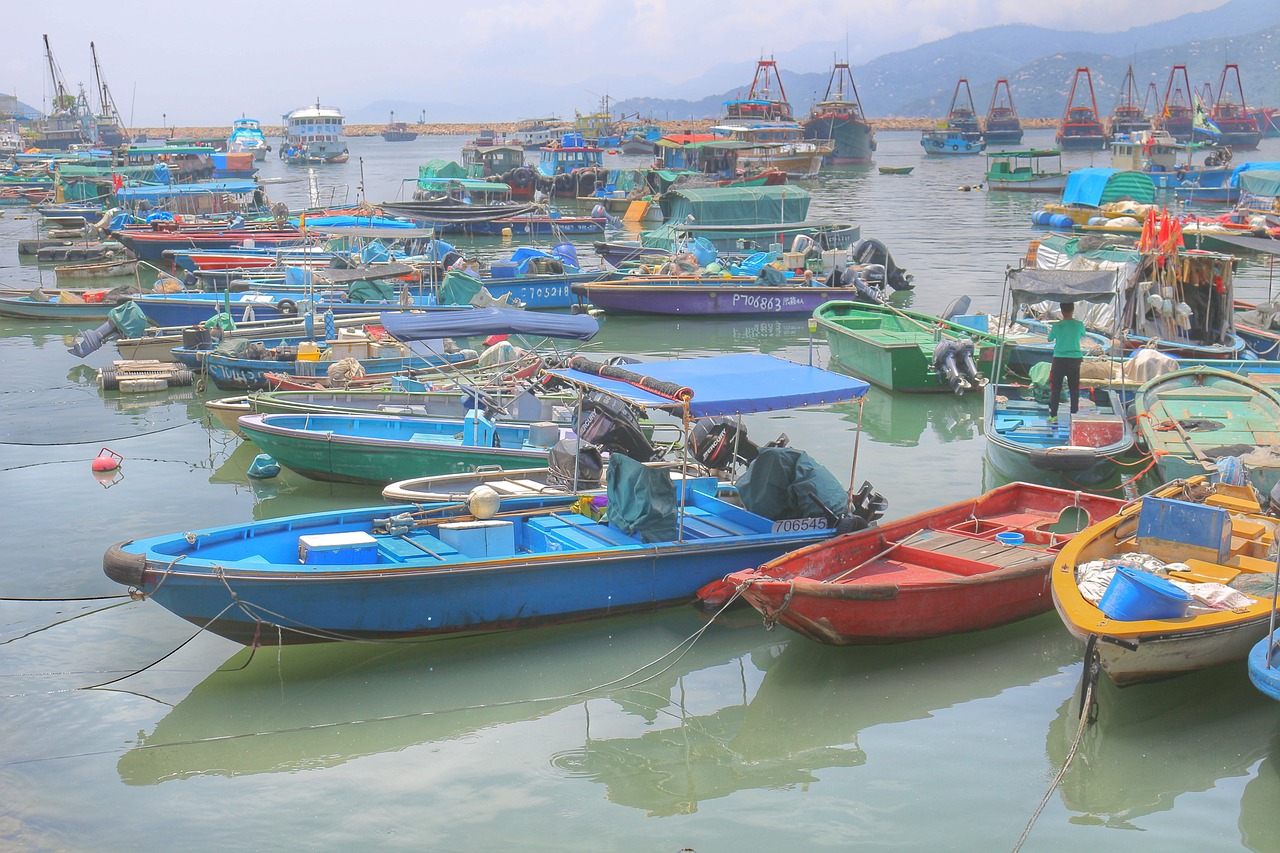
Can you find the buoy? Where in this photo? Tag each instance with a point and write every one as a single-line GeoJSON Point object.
{"type": "Point", "coordinates": [263, 467]}
{"type": "Point", "coordinates": [483, 502]}
{"type": "Point", "coordinates": [106, 460]}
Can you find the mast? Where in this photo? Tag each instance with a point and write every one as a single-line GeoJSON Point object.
{"type": "Point", "coordinates": [61, 100]}
{"type": "Point", "coordinates": [97, 78]}
{"type": "Point", "coordinates": [955, 96]}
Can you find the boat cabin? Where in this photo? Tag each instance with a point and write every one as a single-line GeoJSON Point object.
{"type": "Point", "coordinates": [568, 155]}
{"type": "Point", "coordinates": [481, 161]}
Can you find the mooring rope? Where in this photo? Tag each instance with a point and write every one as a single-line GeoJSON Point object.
{"type": "Point", "coordinates": [95, 440]}
{"type": "Point", "coordinates": [1086, 716]}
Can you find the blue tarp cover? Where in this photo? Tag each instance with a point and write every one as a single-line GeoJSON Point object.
{"type": "Point", "coordinates": [731, 384]}
{"type": "Point", "coordinates": [1254, 166]}
{"type": "Point", "coordinates": [489, 321]}
{"type": "Point", "coordinates": [1085, 186]}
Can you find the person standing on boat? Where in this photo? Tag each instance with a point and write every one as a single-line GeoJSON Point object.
{"type": "Point", "coordinates": [1065, 335]}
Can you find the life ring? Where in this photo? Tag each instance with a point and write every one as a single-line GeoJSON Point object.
{"type": "Point", "coordinates": [955, 146]}
{"type": "Point", "coordinates": [287, 307]}
{"type": "Point", "coordinates": [968, 146]}
{"type": "Point", "coordinates": [1181, 174]}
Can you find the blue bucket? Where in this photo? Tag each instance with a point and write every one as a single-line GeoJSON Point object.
{"type": "Point", "coordinates": [1010, 538]}
{"type": "Point", "coordinates": [1135, 595]}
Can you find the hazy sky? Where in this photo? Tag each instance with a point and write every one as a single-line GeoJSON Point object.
{"type": "Point", "coordinates": [204, 64]}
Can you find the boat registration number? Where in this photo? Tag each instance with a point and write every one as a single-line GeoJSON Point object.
{"type": "Point", "coordinates": [796, 525]}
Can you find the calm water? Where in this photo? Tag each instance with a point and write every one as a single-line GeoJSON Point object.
{"type": "Point", "coordinates": [749, 740]}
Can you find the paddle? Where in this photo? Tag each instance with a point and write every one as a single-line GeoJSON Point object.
{"type": "Point", "coordinates": [875, 557]}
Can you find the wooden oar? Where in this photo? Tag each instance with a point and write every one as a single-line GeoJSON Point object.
{"type": "Point", "coordinates": [875, 557]}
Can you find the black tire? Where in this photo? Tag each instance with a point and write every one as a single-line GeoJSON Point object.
{"type": "Point", "coordinates": [181, 378]}
{"type": "Point", "coordinates": [287, 307]}
{"type": "Point", "coordinates": [109, 380]}
{"type": "Point", "coordinates": [955, 146]}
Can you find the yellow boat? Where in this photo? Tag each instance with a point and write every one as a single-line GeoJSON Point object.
{"type": "Point", "coordinates": [1213, 539]}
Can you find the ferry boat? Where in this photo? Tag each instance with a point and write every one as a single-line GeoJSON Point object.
{"type": "Point", "coordinates": [247, 137]}
{"type": "Point", "coordinates": [1081, 130]}
{"type": "Point", "coordinates": [838, 117]}
{"type": "Point", "coordinates": [314, 135]}
{"type": "Point", "coordinates": [1002, 125]}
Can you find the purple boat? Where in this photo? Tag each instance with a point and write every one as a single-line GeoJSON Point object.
{"type": "Point", "coordinates": [699, 295]}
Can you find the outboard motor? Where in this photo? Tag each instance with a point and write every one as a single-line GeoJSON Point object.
{"type": "Point", "coordinates": [720, 442]}
{"type": "Point", "coordinates": [126, 320]}
{"type": "Point", "coordinates": [953, 360]}
{"type": "Point", "coordinates": [863, 291]}
{"type": "Point", "coordinates": [866, 507]}
{"type": "Point", "coordinates": [872, 251]}
{"type": "Point", "coordinates": [572, 458]}
{"type": "Point", "coordinates": [612, 424]}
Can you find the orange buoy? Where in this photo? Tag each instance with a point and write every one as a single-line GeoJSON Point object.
{"type": "Point", "coordinates": [106, 460]}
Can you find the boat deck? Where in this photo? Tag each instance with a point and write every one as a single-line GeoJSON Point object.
{"type": "Point", "coordinates": [946, 556]}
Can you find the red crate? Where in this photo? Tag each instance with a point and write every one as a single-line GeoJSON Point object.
{"type": "Point", "coordinates": [1096, 430]}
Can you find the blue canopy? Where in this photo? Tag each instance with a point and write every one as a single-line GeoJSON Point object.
{"type": "Point", "coordinates": [736, 384]}
{"type": "Point", "coordinates": [1095, 187]}
{"type": "Point", "coordinates": [159, 191]}
{"type": "Point", "coordinates": [406, 326]}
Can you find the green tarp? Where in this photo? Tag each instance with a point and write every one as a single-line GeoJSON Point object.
{"type": "Point", "coordinates": [642, 501]}
{"type": "Point", "coordinates": [1262, 182]}
{"type": "Point", "coordinates": [784, 482]}
{"type": "Point", "coordinates": [736, 205]}
{"type": "Point", "coordinates": [440, 169]}
{"type": "Point", "coordinates": [458, 288]}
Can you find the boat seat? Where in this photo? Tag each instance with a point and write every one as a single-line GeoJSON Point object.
{"type": "Point", "coordinates": [1201, 571]}
{"type": "Point", "coordinates": [1253, 565]}
{"type": "Point", "coordinates": [709, 525]}
{"type": "Point", "coordinates": [403, 549]}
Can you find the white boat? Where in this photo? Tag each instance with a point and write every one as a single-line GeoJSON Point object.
{"type": "Point", "coordinates": [247, 137]}
{"type": "Point", "coordinates": [314, 135]}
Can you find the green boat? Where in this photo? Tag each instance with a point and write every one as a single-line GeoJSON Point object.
{"type": "Point", "coordinates": [1026, 171]}
{"type": "Point", "coordinates": [901, 350]}
{"type": "Point", "coordinates": [1193, 419]}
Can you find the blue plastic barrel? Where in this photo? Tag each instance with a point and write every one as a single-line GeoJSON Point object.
{"type": "Point", "coordinates": [1134, 595]}
{"type": "Point", "coordinates": [1061, 220]}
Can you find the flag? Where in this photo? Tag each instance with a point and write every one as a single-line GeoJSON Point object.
{"type": "Point", "coordinates": [1202, 122]}
{"type": "Point", "coordinates": [1148, 238]}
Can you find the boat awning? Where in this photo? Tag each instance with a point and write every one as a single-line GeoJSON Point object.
{"type": "Point", "coordinates": [373, 272]}
{"type": "Point", "coordinates": [1265, 245]}
{"type": "Point", "coordinates": [407, 326]}
{"type": "Point", "coordinates": [736, 384]}
{"type": "Point", "coordinates": [160, 191]}
{"type": "Point", "coordinates": [1259, 182]}
{"type": "Point", "coordinates": [1096, 187]}
{"type": "Point", "coordinates": [1030, 286]}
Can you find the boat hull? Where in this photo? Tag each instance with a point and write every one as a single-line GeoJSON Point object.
{"type": "Point", "coordinates": [854, 140]}
{"type": "Point", "coordinates": [740, 300]}
{"type": "Point", "coordinates": [1264, 667]}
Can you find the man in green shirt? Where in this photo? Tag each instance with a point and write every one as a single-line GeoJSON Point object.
{"type": "Point", "coordinates": [1065, 335]}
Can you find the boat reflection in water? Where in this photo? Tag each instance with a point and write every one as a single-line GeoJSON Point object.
{"type": "Point", "coordinates": [772, 713]}
{"type": "Point", "coordinates": [903, 419]}
{"type": "Point", "coordinates": [1155, 743]}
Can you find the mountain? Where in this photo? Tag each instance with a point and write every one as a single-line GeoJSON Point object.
{"type": "Point", "coordinates": [1039, 63]}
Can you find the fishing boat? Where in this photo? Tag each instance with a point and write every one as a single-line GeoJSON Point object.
{"type": "Point", "coordinates": [313, 136]}
{"type": "Point", "coordinates": [901, 350]}
{"type": "Point", "coordinates": [1196, 419]}
{"type": "Point", "coordinates": [839, 117]}
{"type": "Point", "coordinates": [106, 269]}
{"type": "Point", "coordinates": [1081, 450]}
{"type": "Point", "coordinates": [706, 295]}
{"type": "Point", "coordinates": [247, 137]}
{"type": "Point", "coordinates": [770, 135]}
{"type": "Point", "coordinates": [1002, 125]}
{"type": "Point", "coordinates": [1177, 116]}
{"type": "Point", "coordinates": [1237, 127]}
{"type": "Point", "coordinates": [1128, 118]}
{"type": "Point", "coordinates": [65, 304]}
{"type": "Point", "coordinates": [1081, 130]}
{"type": "Point", "coordinates": [1179, 581]}
{"type": "Point", "coordinates": [967, 566]}
{"type": "Point", "coordinates": [1025, 171]}
{"type": "Point", "coordinates": [895, 170]}
{"type": "Point", "coordinates": [962, 117]}
{"type": "Point", "coordinates": [638, 140]}
{"type": "Point", "coordinates": [485, 565]}
{"type": "Point", "coordinates": [398, 131]}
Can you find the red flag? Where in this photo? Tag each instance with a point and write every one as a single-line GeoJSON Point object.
{"type": "Point", "coordinates": [1148, 231]}
{"type": "Point", "coordinates": [1162, 237]}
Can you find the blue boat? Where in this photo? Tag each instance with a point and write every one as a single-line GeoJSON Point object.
{"type": "Point", "coordinates": [440, 569]}
{"type": "Point", "coordinates": [1264, 664]}
{"type": "Point", "coordinates": [950, 143]}
{"type": "Point", "coordinates": [1080, 450]}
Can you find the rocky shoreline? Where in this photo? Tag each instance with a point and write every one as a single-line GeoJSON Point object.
{"type": "Point", "coordinates": [472, 129]}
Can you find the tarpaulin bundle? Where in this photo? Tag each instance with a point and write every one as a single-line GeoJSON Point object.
{"type": "Point", "coordinates": [670, 390]}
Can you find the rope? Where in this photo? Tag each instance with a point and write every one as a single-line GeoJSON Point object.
{"type": "Point", "coordinates": [1085, 718]}
{"type": "Point", "coordinates": [96, 440]}
{"type": "Point", "coordinates": [1124, 484]}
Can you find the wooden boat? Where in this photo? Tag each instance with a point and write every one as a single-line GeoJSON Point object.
{"type": "Point", "coordinates": [411, 570]}
{"type": "Point", "coordinates": [507, 482]}
{"type": "Point", "coordinates": [106, 269]}
{"type": "Point", "coordinates": [900, 350]}
{"type": "Point", "coordinates": [1081, 450]}
{"type": "Point", "coordinates": [64, 304]}
{"type": "Point", "coordinates": [158, 342]}
{"type": "Point", "coordinates": [1192, 418]}
{"type": "Point", "coordinates": [1211, 537]}
{"type": "Point", "coordinates": [895, 170]}
{"type": "Point", "coordinates": [1022, 172]}
{"type": "Point", "coordinates": [933, 574]}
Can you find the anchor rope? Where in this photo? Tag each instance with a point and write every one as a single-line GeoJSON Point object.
{"type": "Point", "coordinates": [95, 440]}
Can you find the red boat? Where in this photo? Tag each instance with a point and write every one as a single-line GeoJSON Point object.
{"type": "Point", "coordinates": [1080, 129]}
{"type": "Point", "coordinates": [944, 571]}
